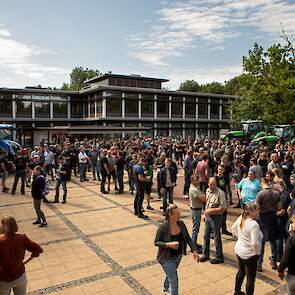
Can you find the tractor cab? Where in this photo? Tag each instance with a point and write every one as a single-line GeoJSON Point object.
{"type": "Point", "coordinates": [6, 139]}
{"type": "Point", "coordinates": [248, 130]}
{"type": "Point", "coordinates": [286, 132]}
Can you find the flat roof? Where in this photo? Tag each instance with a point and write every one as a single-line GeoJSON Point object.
{"type": "Point", "coordinates": [38, 90]}
{"type": "Point", "coordinates": [133, 77]}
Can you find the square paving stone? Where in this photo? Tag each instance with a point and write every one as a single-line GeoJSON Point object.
{"type": "Point", "coordinates": [106, 220]}
{"type": "Point", "coordinates": [63, 262]}
{"type": "Point", "coordinates": [130, 247]}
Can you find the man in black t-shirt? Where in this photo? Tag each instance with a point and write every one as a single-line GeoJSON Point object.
{"type": "Point", "coordinates": [20, 167]}
{"type": "Point", "coordinates": [3, 170]}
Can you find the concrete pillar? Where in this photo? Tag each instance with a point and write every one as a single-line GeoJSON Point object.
{"type": "Point", "coordinates": [209, 108]}
{"type": "Point", "coordinates": [51, 109]}
{"type": "Point", "coordinates": [170, 107]}
{"type": "Point", "coordinates": [13, 109]}
{"type": "Point", "coordinates": [123, 105]}
{"type": "Point", "coordinates": [183, 108]}
{"type": "Point", "coordinates": [220, 109]}
{"type": "Point", "coordinates": [139, 106]}
{"type": "Point", "coordinates": [155, 106]}
{"type": "Point", "coordinates": [197, 108]}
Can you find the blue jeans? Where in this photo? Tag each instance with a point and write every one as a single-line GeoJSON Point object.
{"type": "Point", "coordinates": [187, 183]}
{"type": "Point", "coordinates": [83, 168]}
{"type": "Point", "coordinates": [120, 175]}
{"type": "Point", "coordinates": [59, 182]}
{"type": "Point", "coordinates": [131, 181]}
{"type": "Point", "coordinates": [196, 217]}
{"type": "Point", "coordinates": [95, 169]}
{"type": "Point", "coordinates": [139, 197]}
{"type": "Point", "coordinates": [213, 224]}
{"type": "Point", "coordinates": [168, 196]}
{"type": "Point", "coordinates": [274, 252]}
{"type": "Point", "coordinates": [171, 280]}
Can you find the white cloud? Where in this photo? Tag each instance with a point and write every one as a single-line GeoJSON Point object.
{"type": "Point", "coordinates": [189, 23]}
{"type": "Point", "coordinates": [201, 75]}
{"type": "Point", "coordinates": [17, 66]}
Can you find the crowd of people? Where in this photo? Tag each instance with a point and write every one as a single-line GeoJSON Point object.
{"type": "Point", "coordinates": [214, 172]}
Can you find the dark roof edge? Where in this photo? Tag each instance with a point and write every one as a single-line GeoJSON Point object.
{"type": "Point", "coordinates": [155, 91]}
{"type": "Point", "coordinates": [36, 90]}
{"type": "Point", "coordinates": [134, 77]}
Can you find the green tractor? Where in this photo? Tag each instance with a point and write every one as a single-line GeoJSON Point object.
{"type": "Point", "coordinates": [284, 133]}
{"type": "Point", "coordinates": [250, 130]}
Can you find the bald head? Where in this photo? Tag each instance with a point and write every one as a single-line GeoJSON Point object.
{"type": "Point", "coordinates": [212, 183]}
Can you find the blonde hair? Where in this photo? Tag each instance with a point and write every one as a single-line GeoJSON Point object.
{"type": "Point", "coordinates": [250, 208]}
{"type": "Point", "coordinates": [169, 210]}
{"type": "Point", "coordinates": [8, 225]}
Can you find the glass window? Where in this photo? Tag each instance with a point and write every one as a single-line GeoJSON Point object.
{"type": "Point", "coordinates": [41, 97]}
{"type": "Point", "coordinates": [147, 105]}
{"type": "Point", "coordinates": [6, 105]}
{"type": "Point", "coordinates": [41, 109]}
{"type": "Point", "coordinates": [163, 106]}
{"type": "Point", "coordinates": [23, 109]}
{"type": "Point", "coordinates": [131, 108]}
{"type": "Point", "coordinates": [176, 129]}
{"type": "Point", "coordinates": [177, 107]}
{"type": "Point", "coordinates": [202, 129]}
{"type": "Point", "coordinates": [214, 111]}
{"type": "Point", "coordinates": [225, 111]}
{"type": "Point", "coordinates": [190, 130]}
{"type": "Point", "coordinates": [114, 107]}
{"type": "Point", "coordinates": [99, 108]}
{"type": "Point", "coordinates": [92, 109]}
{"type": "Point", "coordinates": [202, 110]}
{"type": "Point", "coordinates": [150, 131]}
{"type": "Point", "coordinates": [76, 109]}
{"type": "Point", "coordinates": [60, 109]}
{"type": "Point", "coordinates": [142, 84]}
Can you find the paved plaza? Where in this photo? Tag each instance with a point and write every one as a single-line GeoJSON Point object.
{"type": "Point", "coordinates": [95, 245]}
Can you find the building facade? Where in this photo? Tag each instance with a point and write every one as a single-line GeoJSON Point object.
{"type": "Point", "coordinates": [113, 105]}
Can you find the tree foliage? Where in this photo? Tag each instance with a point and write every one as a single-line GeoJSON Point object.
{"type": "Point", "coordinates": [267, 87]}
{"type": "Point", "coordinates": [190, 85]}
{"type": "Point", "coordinates": [78, 77]}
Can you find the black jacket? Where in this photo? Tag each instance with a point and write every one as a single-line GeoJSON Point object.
{"type": "Point", "coordinates": [164, 235]}
{"type": "Point", "coordinates": [163, 176]}
{"type": "Point", "coordinates": [38, 186]}
{"type": "Point", "coordinates": [288, 259]}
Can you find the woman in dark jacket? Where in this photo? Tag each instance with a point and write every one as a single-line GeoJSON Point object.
{"type": "Point", "coordinates": [38, 186]}
{"type": "Point", "coordinates": [172, 238]}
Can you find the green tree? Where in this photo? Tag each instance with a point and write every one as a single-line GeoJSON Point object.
{"type": "Point", "coordinates": [78, 77]}
{"type": "Point", "coordinates": [190, 85]}
{"type": "Point", "coordinates": [213, 87]}
{"type": "Point", "coordinates": [267, 87]}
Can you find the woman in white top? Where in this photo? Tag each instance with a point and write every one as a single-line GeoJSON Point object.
{"type": "Point", "coordinates": [248, 247]}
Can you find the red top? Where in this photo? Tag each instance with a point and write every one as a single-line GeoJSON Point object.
{"type": "Point", "coordinates": [12, 253]}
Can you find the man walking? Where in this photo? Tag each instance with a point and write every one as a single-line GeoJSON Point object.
{"type": "Point", "coordinates": [140, 180]}
{"type": "Point", "coordinates": [214, 208]}
{"type": "Point", "coordinates": [188, 171]}
{"type": "Point", "coordinates": [20, 167]}
{"type": "Point", "coordinates": [61, 179]}
{"type": "Point", "coordinates": [83, 159]}
{"type": "Point", "coordinates": [105, 172]}
{"type": "Point", "coordinates": [197, 199]}
{"type": "Point", "coordinates": [93, 157]}
{"type": "Point", "coordinates": [167, 183]}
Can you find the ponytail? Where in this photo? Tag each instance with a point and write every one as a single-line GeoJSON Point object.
{"type": "Point", "coordinates": [251, 207]}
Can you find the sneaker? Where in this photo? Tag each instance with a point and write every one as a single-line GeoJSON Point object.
{"type": "Point", "coordinates": [5, 189]}
{"type": "Point", "coordinates": [63, 201]}
{"type": "Point", "coordinates": [203, 258]}
{"type": "Point", "coordinates": [165, 291]}
{"type": "Point", "coordinates": [37, 222]}
{"type": "Point", "coordinates": [142, 216]}
{"type": "Point", "coordinates": [105, 192]}
{"type": "Point", "coordinates": [259, 269]}
{"type": "Point", "coordinates": [46, 200]}
{"type": "Point", "coordinates": [12, 193]}
{"type": "Point", "coordinates": [43, 224]}
{"type": "Point", "coordinates": [273, 265]}
{"type": "Point", "coordinates": [86, 179]}
{"type": "Point", "coordinates": [186, 196]}
{"type": "Point", "coordinates": [216, 261]}
{"type": "Point", "coordinates": [239, 293]}
{"type": "Point", "coordinates": [226, 233]}
{"type": "Point", "coordinates": [148, 207]}
{"type": "Point", "coordinates": [55, 201]}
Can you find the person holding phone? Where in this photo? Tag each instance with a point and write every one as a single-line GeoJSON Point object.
{"type": "Point", "coordinates": [172, 238]}
{"type": "Point", "coordinates": [12, 252]}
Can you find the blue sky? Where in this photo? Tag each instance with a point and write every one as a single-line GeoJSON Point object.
{"type": "Point", "coordinates": [41, 41]}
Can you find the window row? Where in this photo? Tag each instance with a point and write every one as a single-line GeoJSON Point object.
{"type": "Point", "coordinates": [23, 109]}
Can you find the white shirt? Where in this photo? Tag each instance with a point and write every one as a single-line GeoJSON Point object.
{"type": "Point", "coordinates": [81, 156]}
{"type": "Point", "coordinates": [249, 238]}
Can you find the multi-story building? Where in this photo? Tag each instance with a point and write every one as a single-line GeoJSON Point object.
{"type": "Point", "coordinates": [113, 105]}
